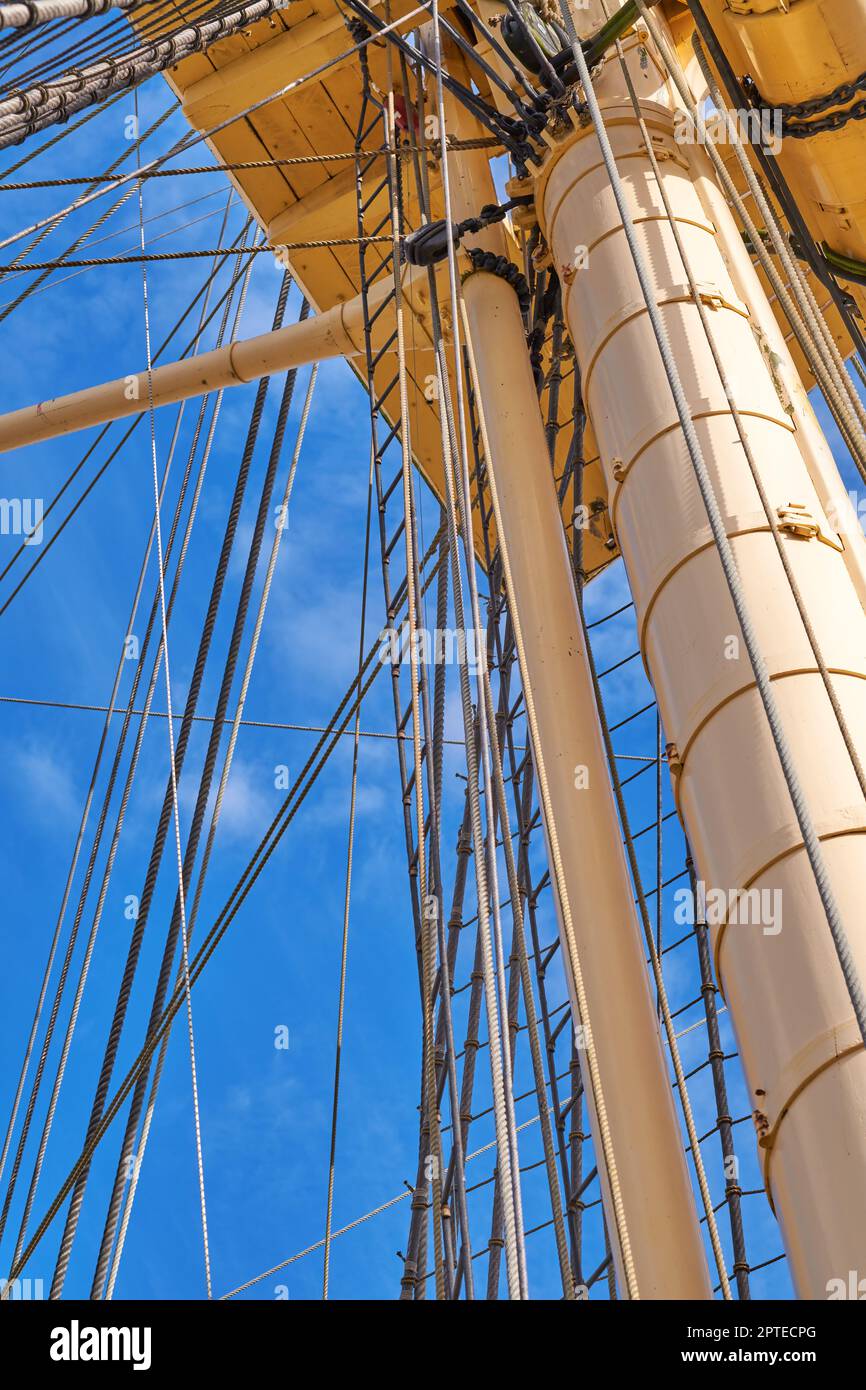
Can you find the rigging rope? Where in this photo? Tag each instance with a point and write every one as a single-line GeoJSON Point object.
{"type": "Point", "coordinates": [103, 815]}
{"type": "Point", "coordinates": [742, 435]}
{"type": "Point", "coordinates": [46, 548]}
{"type": "Point", "coordinates": [88, 41]}
{"type": "Point", "coordinates": [261, 856]}
{"type": "Point", "coordinates": [488, 896]}
{"type": "Point", "coordinates": [162, 826]}
{"type": "Point", "coordinates": [460, 1269]}
{"type": "Point", "coordinates": [133, 765]}
{"type": "Point", "coordinates": [799, 285]}
{"type": "Point", "coordinates": [289, 161]}
{"type": "Point", "coordinates": [205, 254]}
{"type": "Point", "coordinates": [805, 329]}
{"type": "Point", "coordinates": [198, 137]}
{"type": "Point", "coordinates": [171, 748]}
{"type": "Point", "coordinates": [347, 893]}
{"type": "Point", "coordinates": [176, 924]}
{"type": "Point", "coordinates": [27, 111]}
{"type": "Point", "coordinates": [134, 149]}
{"type": "Point", "coordinates": [608, 1156]}
{"type": "Point", "coordinates": [237, 722]}
{"type": "Point", "coordinates": [36, 12]}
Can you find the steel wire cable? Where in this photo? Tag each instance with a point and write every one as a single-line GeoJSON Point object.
{"type": "Point", "coordinates": [797, 280]}
{"type": "Point", "coordinates": [288, 162]}
{"type": "Point", "coordinates": [529, 1002]}
{"type": "Point", "coordinates": [347, 896]}
{"type": "Point", "coordinates": [259, 860]}
{"type": "Point", "coordinates": [203, 254]}
{"type": "Point", "coordinates": [156, 217]}
{"type": "Point", "coordinates": [485, 890]}
{"type": "Point", "coordinates": [823, 371]}
{"type": "Point", "coordinates": [178, 923]}
{"type": "Point", "coordinates": [55, 939]}
{"type": "Point", "coordinates": [27, 111]}
{"type": "Point", "coordinates": [493, 566]}
{"type": "Point", "coordinates": [109, 710]}
{"type": "Point", "coordinates": [444, 1031]}
{"type": "Point", "coordinates": [45, 268]}
{"type": "Point", "coordinates": [375, 104]}
{"type": "Point", "coordinates": [144, 713]}
{"type": "Point", "coordinates": [160, 236]}
{"type": "Point", "coordinates": [458, 496]}
{"type": "Point", "coordinates": [166, 666]}
{"type": "Point", "coordinates": [196, 138]}
{"type": "Point", "coordinates": [493, 77]}
{"type": "Point", "coordinates": [506, 128]}
{"type": "Point", "coordinates": [236, 724]}
{"type": "Point", "coordinates": [166, 1036]}
{"type": "Point", "coordinates": [428, 932]}
{"type": "Point", "coordinates": [526, 822]}
{"type": "Point", "coordinates": [515, 898]}
{"type": "Point", "coordinates": [609, 1159]}
{"type": "Point", "coordinates": [736, 1221]}
{"type": "Point", "coordinates": [128, 714]}
{"type": "Point", "coordinates": [654, 950]}
{"type": "Point", "coordinates": [782, 193]}
{"type": "Point", "coordinates": [146, 898]}
{"type": "Point", "coordinates": [282, 725]}
{"type": "Point", "coordinates": [717, 1059]}
{"type": "Point", "coordinates": [488, 35]}
{"type": "Point", "coordinates": [190, 346]}
{"type": "Point", "coordinates": [754, 470]}
{"type": "Point", "coordinates": [352, 1225]}
{"type": "Point", "coordinates": [608, 1155]}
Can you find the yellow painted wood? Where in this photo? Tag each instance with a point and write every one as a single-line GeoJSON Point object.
{"type": "Point", "coordinates": [317, 201]}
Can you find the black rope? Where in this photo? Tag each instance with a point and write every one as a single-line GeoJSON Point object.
{"type": "Point", "coordinates": [202, 797]}
{"type": "Point", "coordinates": [429, 244]}
{"type": "Point", "coordinates": [507, 270]}
{"type": "Point", "coordinates": [134, 951]}
{"type": "Point", "coordinates": [45, 549]}
{"type": "Point", "coordinates": [843, 301]}
{"type": "Point", "coordinates": [206, 253]}
{"type": "Point", "coordinates": [128, 714]}
{"type": "Point", "coordinates": [513, 133]}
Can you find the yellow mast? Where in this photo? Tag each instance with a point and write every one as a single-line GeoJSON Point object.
{"type": "Point", "coordinates": [801, 1047]}
{"type": "Point", "coordinates": [650, 1211]}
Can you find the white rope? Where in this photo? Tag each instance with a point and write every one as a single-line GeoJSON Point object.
{"type": "Point", "coordinates": [44, 11]}
{"type": "Point", "coordinates": [193, 138]}
{"type": "Point", "coordinates": [173, 770]}
{"type": "Point", "coordinates": [145, 1132]}
{"type": "Point", "coordinates": [607, 1155]}
{"type": "Point", "coordinates": [485, 863]}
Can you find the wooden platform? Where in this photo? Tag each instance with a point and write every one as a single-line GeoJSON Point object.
{"type": "Point", "coordinates": [317, 200]}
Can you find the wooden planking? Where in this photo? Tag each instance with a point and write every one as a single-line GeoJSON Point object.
{"type": "Point", "coordinates": [321, 117]}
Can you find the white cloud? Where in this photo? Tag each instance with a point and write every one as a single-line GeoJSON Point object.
{"type": "Point", "coordinates": [45, 779]}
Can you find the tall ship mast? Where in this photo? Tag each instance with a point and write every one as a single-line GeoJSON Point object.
{"type": "Point", "coordinates": [435, 794]}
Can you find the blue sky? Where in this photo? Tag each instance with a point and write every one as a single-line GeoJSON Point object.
{"type": "Point", "coordinates": [265, 1112]}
